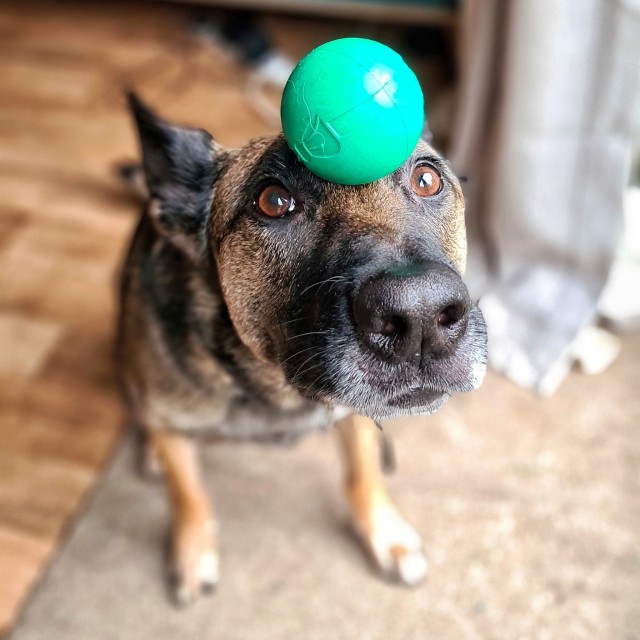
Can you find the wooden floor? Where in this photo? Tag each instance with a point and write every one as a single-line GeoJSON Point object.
{"type": "Point", "coordinates": [64, 220]}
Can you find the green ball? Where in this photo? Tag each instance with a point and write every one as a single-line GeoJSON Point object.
{"type": "Point", "coordinates": [352, 111]}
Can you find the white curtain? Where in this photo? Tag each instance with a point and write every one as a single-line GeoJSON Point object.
{"type": "Point", "coordinates": [548, 106]}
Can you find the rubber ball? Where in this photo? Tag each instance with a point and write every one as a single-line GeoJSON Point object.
{"type": "Point", "coordinates": [352, 111]}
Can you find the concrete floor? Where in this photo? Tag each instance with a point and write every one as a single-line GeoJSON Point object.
{"type": "Point", "coordinates": [530, 510]}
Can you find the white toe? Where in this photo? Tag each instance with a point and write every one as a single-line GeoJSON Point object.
{"type": "Point", "coordinates": [412, 568]}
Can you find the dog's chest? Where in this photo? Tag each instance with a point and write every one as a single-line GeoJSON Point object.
{"type": "Point", "coordinates": [236, 416]}
{"type": "Point", "coordinates": [257, 422]}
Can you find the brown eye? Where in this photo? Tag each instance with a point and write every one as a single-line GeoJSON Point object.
{"type": "Point", "coordinates": [275, 201]}
{"type": "Point", "coordinates": [426, 181]}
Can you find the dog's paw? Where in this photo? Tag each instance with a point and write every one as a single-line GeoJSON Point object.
{"type": "Point", "coordinates": [193, 562]}
{"type": "Point", "coordinates": [393, 543]}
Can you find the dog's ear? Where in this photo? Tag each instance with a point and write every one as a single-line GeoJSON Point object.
{"type": "Point", "coordinates": [180, 165]}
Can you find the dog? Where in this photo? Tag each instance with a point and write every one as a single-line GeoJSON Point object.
{"type": "Point", "coordinates": [259, 301]}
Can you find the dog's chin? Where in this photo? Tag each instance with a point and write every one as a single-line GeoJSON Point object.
{"type": "Point", "coordinates": [418, 402]}
{"type": "Point", "coordinates": [368, 394]}
{"type": "Point", "coordinates": [421, 402]}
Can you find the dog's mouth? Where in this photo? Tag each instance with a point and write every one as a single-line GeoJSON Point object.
{"type": "Point", "coordinates": [419, 398]}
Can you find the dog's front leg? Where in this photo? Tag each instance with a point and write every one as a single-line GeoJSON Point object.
{"type": "Point", "coordinates": [392, 542]}
{"type": "Point", "coordinates": [194, 553]}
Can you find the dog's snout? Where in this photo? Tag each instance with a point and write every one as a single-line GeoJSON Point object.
{"type": "Point", "coordinates": [412, 314]}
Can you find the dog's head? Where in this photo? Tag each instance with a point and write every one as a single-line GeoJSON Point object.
{"type": "Point", "coordinates": [355, 292]}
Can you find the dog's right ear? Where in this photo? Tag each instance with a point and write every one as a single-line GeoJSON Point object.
{"type": "Point", "coordinates": [180, 165]}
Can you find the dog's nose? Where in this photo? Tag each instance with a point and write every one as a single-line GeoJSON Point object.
{"type": "Point", "coordinates": [412, 313]}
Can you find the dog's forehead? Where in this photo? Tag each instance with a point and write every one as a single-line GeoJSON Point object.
{"type": "Point", "coordinates": [375, 202]}
{"type": "Point", "coordinates": [270, 156]}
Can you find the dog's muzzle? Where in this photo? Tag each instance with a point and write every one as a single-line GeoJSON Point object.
{"type": "Point", "coordinates": [401, 340]}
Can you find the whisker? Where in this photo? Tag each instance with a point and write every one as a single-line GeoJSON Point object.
{"type": "Point", "coordinates": [309, 387]}
{"type": "Point", "coordinates": [282, 324]}
{"type": "Point", "coordinates": [297, 372]}
{"type": "Point", "coordinates": [334, 279]}
{"type": "Point", "coordinates": [297, 377]}
{"type": "Point", "coordinates": [297, 353]}
{"type": "Point", "coordinates": [310, 333]}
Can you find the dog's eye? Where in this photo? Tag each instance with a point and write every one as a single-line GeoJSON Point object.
{"type": "Point", "coordinates": [426, 181]}
{"type": "Point", "coordinates": [275, 201]}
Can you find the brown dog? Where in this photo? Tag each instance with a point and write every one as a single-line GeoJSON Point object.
{"type": "Point", "coordinates": [258, 300]}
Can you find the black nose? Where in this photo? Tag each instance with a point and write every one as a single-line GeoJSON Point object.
{"type": "Point", "coordinates": [412, 314]}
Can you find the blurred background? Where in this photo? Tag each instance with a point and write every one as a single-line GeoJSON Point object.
{"type": "Point", "coordinates": [527, 492]}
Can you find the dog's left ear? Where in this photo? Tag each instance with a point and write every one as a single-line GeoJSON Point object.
{"type": "Point", "coordinates": [180, 166]}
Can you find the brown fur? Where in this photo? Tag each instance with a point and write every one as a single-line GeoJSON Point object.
{"type": "Point", "coordinates": [235, 325]}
